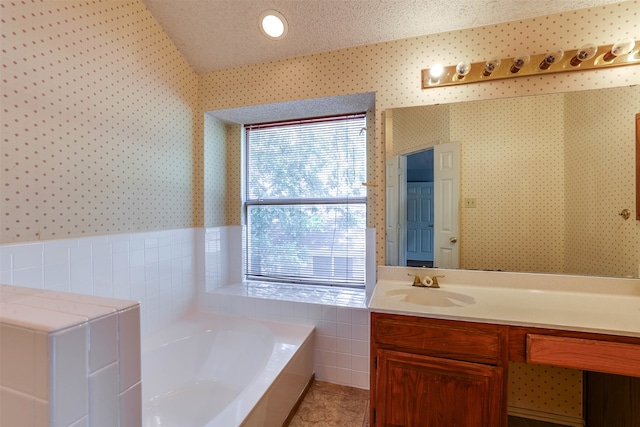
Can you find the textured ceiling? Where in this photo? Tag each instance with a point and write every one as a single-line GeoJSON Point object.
{"type": "Point", "coordinates": [330, 106]}
{"type": "Point", "coordinates": [219, 34]}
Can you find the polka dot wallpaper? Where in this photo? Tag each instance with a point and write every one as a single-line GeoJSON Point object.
{"type": "Point", "coordinates": [600, 182]}
{"type": "Point", "coordinates": [392, 71]}
{"type": "Point", "coordinates": [97, 122]}
{"type": "Point", "coordinates": [513, 157]}
{"type": "Point", "coordinates": [547, 390]}
{"type": "Point", "coordinates": [233, 197]}
{"type": "Point", "coordinates": [415, 127]}
{"type": "Point", "coordinates": [98, 106]}
{"type": "Point", "coordinates": [215, 180]}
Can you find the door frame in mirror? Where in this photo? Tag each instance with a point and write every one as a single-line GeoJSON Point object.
{"type": "Point", "coordinates": [638, 167]}
{"type": "Point", "coordinates": [398, 181]}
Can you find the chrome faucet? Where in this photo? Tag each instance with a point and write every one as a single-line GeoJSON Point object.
{"type": "Point", "coordinates": [426, 282]}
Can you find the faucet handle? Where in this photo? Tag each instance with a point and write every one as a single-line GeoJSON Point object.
{"type": "Point", "coordinates": [416, 279]}
{"type": "Point", "coordinates": [435, 281]}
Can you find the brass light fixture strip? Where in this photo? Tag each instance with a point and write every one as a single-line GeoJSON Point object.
{"type": "Point", "coordinates": [532, 68]}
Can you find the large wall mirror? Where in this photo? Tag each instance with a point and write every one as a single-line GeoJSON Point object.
{"type": "Point", "coordinates": [543, 181]}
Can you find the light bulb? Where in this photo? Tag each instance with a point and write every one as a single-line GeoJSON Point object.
{"type": "Point", "coordinates": [585, 53]}
{"type": "Point", "coordinates": [462, 69]}
{"type": "Point", "coordinates": [273, 24]}
{"type": "Point", "coordinates": [490, 67]}
{"type": "Point", "coordinates": [519, 62]}
{"type": "Point", "coordinates": [435, 73]}
{"type": "Point", "coordinates": [621, 47]}
{"type": "Point", "coordinates": [551, 57]}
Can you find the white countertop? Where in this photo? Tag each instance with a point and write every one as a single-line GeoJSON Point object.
{"type": "Point", "coordinates": [51, 311]}
{"type": "Point", "coordinates": [576, 303]}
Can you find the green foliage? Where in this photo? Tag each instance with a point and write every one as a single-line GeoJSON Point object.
{"type": "Point", "coordinates": [300, 163]}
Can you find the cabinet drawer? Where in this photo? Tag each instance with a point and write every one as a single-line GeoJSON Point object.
{"type": "Point", "coordinates": [586, 354]}
{"type": "Point", "coordinates": [452, 340]}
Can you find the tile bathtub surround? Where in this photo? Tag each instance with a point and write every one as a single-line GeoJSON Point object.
{"type": "Point", "coordinates": [341, 319]}
{"type": "Point", "coordinates": [340, 315]}
{"type": "Point", "coordinates": [68, 359]}
{"type": "Point", "coordinates": [162, 270]}
{"type": "Point", "coordinates": [156, 268]}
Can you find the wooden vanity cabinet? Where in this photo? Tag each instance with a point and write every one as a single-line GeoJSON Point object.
{"type": "Point", "coordinates": [436, 373]}
{"type": "Point", "coordinates": [443, 373]}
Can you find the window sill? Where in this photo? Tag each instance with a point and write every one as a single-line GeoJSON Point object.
{"type": "Point", "coordinates": [325, 295]}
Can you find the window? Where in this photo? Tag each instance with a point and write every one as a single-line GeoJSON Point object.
{"type": "Point", "coordinates": [305, 205]}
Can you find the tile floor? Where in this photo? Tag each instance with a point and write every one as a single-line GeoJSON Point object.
{"type": "Point", "coordinates": [332, 405]}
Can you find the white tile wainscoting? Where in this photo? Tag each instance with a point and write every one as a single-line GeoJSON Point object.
{"type": "Point", "coordinates": [173, 272]}
{"type": "Point", "coordinates": [158, 269]}
{"type": "Point", "coordinates": [90, 373]}
{"type": "Point", "coordinates": [68, 359]}
{"type": "Point", "coordinates": [341, 349]}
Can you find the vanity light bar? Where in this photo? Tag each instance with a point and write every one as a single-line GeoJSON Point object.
{"type": "Point", "coordinates": [533, 65]}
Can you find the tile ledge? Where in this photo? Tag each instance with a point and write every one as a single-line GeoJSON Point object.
{"type": "Point", "coordinates": [323, 295]}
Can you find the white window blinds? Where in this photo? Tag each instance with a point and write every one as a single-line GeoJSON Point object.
{"type": "Point", "coordinates": [305, 202]}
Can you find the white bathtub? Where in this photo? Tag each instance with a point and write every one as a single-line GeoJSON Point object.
{"type": "Point", "coordinates": [222, 371]}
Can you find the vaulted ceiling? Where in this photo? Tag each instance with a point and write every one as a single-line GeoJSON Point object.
{"type": "Point", "coordinates": [220, 34]}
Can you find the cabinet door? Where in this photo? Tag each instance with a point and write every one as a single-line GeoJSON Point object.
{"type": "Point", "coordinates": [422, 391]}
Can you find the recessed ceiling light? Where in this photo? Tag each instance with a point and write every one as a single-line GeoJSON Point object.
{"type": "Point", "coordinates": [273, 24]}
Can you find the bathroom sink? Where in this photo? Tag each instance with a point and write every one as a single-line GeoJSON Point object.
{"type": "Point", "coordinates": [600, 305]}
{"type": "Point", "coordinates": [429, 297]}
